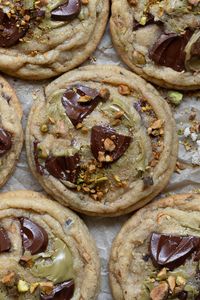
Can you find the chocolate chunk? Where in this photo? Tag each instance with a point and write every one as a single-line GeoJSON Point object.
{"type": "Point", "coordinates": [182, 295]}
{"type": "Point", "coordinates": [10, 34]}
{"type": "Point", "coordinates": [150, 20]}
{"type": "Point", "coordinates": [39, 167]}
{"type": "Point", "coordinates": [5, 243]}
{"type": "Point", "coordinates": [63, 291]}
{"type": "Point", "coordinates": [169, 51]}
{"type": "Point", "coordinates": [171, 251]}
{"type": "Point", "coordinates": [34, 237]}
{"type": "Point", "coordinates": [5, 141]}
{"type": "Point", "coordinates": [64, 168]}
{"type": "Point", "coordinates": [148, 181]}
{"type": "Point", "coordinates": [66, 11]}
{"type": "Point", "coordinates": [98, 136]}
{"type": "Point", "coordinates": [146, 257]}
{"type": "Point", "coordinates": [77, 111]}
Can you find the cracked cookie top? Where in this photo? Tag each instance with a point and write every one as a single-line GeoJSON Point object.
{"type": "Point", "coordinates": [101, 141]}
{"type": "Point", "coordinates": [159, 40]}
{"type": "Point", "coordinates": [41, 39]}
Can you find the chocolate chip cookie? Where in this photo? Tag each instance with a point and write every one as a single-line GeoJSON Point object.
{"type": "Point", "coordinates": [11, 135]}
{"type": "Point", "coordinates": [101, 140]}
{"type": "Point", "coordinates": [42, 39]}
{"type": "Point", "coordinates": [46, 251]}
{"type": "Point", "coordinates": [160, 40]}
{"type": "Point", "coordinates": [157, 252]}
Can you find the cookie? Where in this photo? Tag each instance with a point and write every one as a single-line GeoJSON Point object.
{"type": "Point", "coordinates": [101, 140]}
{"type": "Point", "coordinates": [159, 40]}
{"type": "Point", "coordinates": [42, 39]}
{"type": "Point", "coordinates": [11, 134]}
{"type": "Point", "coordinates": [156, 253]}
{"type": "Point", "coordinates": [46, 250]}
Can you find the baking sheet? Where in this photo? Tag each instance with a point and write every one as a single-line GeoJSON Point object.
{"type": "Point", "coordinates": [105, 229]}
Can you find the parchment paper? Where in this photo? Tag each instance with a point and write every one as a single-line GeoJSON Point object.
{"type": "Point", "coordinates": [105, 229]}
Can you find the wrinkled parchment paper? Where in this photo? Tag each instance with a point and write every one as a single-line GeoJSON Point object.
{"type": "Point", "coordinates": [105, 229]}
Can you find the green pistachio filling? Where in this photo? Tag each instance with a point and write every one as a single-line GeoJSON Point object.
{"type": "Point", "coordinates": [58, 268]}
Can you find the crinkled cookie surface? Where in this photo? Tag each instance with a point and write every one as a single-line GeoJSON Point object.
{"type": "Point", "coordinates": [160, 40]}
{"type": "Point", "coordinates": [46, 251]}
{"type": "Point", "coordinates": [11, 135]}
{"type": "Point", "coordinates": [42, 39]}
{"type": "Point", "coordinates": [156, 253]}
{"type": "Point", "coordinates": [101, 140]}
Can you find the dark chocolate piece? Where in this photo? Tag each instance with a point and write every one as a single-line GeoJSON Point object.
{"type": "Point", "coordinates": [64, 168]}
{"type": "Point", "coordinates": [77, 111]}
{"type": "Point", "coordinates": [150, 20]}
{"type": "Point", "coordinates": [5, 141]}
{"type": "Point", "coordinates": [182, 295]}
{"type": "Point", "coordinates": [34, 237]}
{"type": "Point", "coordinates": [39, 167]}
{"type": "Point", "coordinates": [169, 51]}
{"type": "Point", "coordinates": [5, 243]}
{"type": "Point", "coordinates": [148, 181]}
{"type": "Point", "coordinates": [10, 34]}
{"type": "Point", "coordinates": [171, 251]}
{"type": "Point", "coordinates": [98, 136]}
{"type": "Point", "coordinates": [66, 11]}
{"type": "Point", "coordinates": [63, 291]}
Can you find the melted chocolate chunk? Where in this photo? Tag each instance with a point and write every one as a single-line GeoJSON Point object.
{"type": "Point", "coordinates": [39, 167]}
{"type": "Point", "coordinates": [63, 291]}
{"type": "Point", "coordinates": [64, 168]}
{"type": "Point", "coordinates": [34, 237]}
{"type": "Point", "coordinates": [66, 11]}
{"type": "Point", "coordinates": [5, 243]}
{"type": "Point", "coordinates": [150, 20]}
{"type": "Point", "coordinates": [171, 251]}
{"type": "Point", "coordinates": [5, 141]}
{"type": "Point", "coordinates": [10, 34]}
{"type": "Point", "coordinates": [182, 295]}
{"type": "Point", "coordinates": [169, 51]}
{"type": "Point", "coordinates": [98, 136]}
{"type": "Point", "coordinates": [77, 111]}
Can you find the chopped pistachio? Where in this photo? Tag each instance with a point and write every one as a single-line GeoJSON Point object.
{"type": "Point", "coordinates": [162, 274]}
{"type": "Point", "coordinates": [44, 128]}
{"type": "Point", "coordinates": [22, 286]}
{"type": "Point", "coordinates": [33, 287]}
{"type": "Point", "coordinates": [160, 292]}
{"type": "Point", "coordinates": [143, 20]}
{"type": "Point", "coordinates": [172, 282]}
{"type": "Point", "coordinates": [84, 99]}
{"type": "Point", "coordinates": [104, 94]}
{"type": "Point", "coordinates": [175, 97]}
{"type": "Point", "coordinates": [180, 280]}
{"type": "Point", "coordinates": [109, 145]}
{"type": "Point", "coordinates": [8, 278]}
{"type": "Point", "coordinates": [46, 287]}
{"type": "Point", "coordinates": [124, 89]}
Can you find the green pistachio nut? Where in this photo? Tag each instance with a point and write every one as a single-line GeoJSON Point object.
{"type": "Point", "coordinates": [175, 97]}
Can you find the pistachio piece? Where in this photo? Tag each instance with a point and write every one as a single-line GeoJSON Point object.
{"type": "Point", "coordinates": [162, 274]}
{"type": "Point", "coordinates": [22, 286]}
{"type": "Point", "coordinates": [160, 292]}
{"type": "Point", "coordinates": [175, 97]}
{"type": "Point", "coordinates": [172, 282]}
{"type": "Point", "coordinates": [180, 280]}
